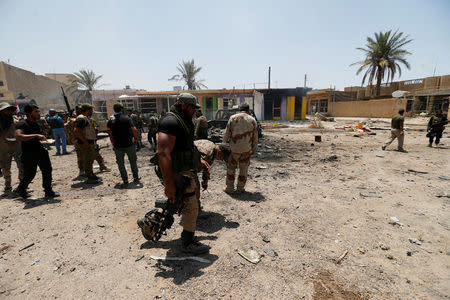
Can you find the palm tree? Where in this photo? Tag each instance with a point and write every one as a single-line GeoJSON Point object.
{"type": "Point", "coordinates": [86, 79]}
{"type": "Point", "coordinates": [188, 71]}
{"type": "Point", "coordinates": [383, 57]}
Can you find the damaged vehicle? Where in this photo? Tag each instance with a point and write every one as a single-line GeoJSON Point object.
{"type": "Point", "coordinates": [216, 127]}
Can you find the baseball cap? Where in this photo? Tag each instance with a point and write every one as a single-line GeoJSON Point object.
{"type": "Point", "coordinates": [5, 105]}
{"type": "Point", "coordinates": [188, 99]}
{"type": "Point", "coordinates": [85, 106]}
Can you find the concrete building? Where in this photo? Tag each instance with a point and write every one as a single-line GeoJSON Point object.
{"type": "Point", "coordinates": [19, 84]}
{"type": "Point", "coordinates": [421, 95]}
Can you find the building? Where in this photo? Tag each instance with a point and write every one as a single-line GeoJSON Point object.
{"type": "Point", "coordinates": [20, 84]}
{"type": "Point", "coordinates": [420, 95]}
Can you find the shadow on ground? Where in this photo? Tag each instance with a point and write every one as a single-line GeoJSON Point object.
{"type": "Point", "coordinates": [211, 222]}
{"type": "Point", "coordinates": [32, 203]}
{"type": "Point", "coordinates": [84, 186]}
{"type": "Point", "coordinates": [249, 196]}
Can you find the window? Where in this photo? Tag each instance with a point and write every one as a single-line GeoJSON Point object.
{"type": "Point", "coordinates": [1, 83]}
{"type": "Point", "coordinates": [1, 95]}
{"type": "Point", "coordinates": [324, 106]}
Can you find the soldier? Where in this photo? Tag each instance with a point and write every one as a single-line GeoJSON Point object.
{"type": "Point", "coordinates": [435, 127]}
{"type": "Point", "coordinates": [9, 146]}
{"type": "Point", "coordinates": [57, 125]}
{"type": "Point", "coordinates": [397, 131]}
{"type": "Point", "coordinates": [242, 134]}
{"type": "Point", "coordinates": [33, 153]}
{"type": "Point", "coordinates": [152, 129]}
{"type": "Point", "coordinates": [180, 161]}
{"type": "Point", "coordinates": [201, 126]}
{"type": "Point", "coordinates": [123, 135]}
{"type": "Point", "coordinates": [71, 138]}
{"type": "Point", "coordinates": [86, 137]}
{"type": "Point", "coordinates": [139, 124]}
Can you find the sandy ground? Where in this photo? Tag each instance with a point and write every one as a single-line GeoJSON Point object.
{"type": "Point", "coordinates": [304, 202]}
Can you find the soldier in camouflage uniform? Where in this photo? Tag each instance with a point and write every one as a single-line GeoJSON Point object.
{"type": "Point", "coordinates": [9, 147]}
{"type": "Point", "coordinates": [201, 126]}
{"type": "Point", "coordinates": [435, 127]}
{"type": "Point", "coordinates": [242, 134]}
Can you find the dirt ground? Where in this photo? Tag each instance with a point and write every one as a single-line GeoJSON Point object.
{"type": "Point", "coordinates": [304, 209]}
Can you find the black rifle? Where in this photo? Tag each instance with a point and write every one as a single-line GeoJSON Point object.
{"type": "Point", "coordinates": [67, 102]}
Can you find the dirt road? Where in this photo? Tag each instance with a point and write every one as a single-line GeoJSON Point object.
{"type": "Point", "coordinates": [308, 205]}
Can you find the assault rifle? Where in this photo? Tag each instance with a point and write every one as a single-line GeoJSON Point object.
{"type": "Point", "coordinates": [70, 111]}
{"type": "Point", "coordinates": [155, 222]}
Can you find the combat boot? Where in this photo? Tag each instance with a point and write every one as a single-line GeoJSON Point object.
{"type": "Point", "coordinates": [191, 245]}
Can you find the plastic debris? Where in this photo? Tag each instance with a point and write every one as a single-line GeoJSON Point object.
{"type": "Point", "coordinates": [395, 221]}
{"type": "Point", "coordinates": [26, 247]}
{"type": "Point", "coordinates": [372, 195]}
{"type": "Point", "coordinates": [444, 194]}
{"type": "Point", "coordinates": [270, 252]}
{"type": "Point", "coordinates": [249, 254]}
{"type": "Point", "coordinates": [444, 177]}
{"type": "Point", "coordinates": [415, 241]}
{"type": "Point", "coordinates": [199, 259]}
{"type": "Point", "coordinates": [417, 171]}
{"type": "Point", "coordinates": [261, 167]}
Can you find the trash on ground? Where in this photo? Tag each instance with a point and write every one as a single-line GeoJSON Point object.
{"type": "Point", "coordinates": [266, 239]}
{"type": "Point", "coordinates": [270, 252]}
{"type": "Point", "coordinates": [417, 171]}
{"type": "Point", "coordinates": [445, 194]}
{"type": "Point", "coordinates": [199, 259]}
{"type": "Point", "coordinates": [340, 258]}
{"type": "Point", "coordinates": [415, 241]}
{"type": "Point", "coordinates": [372, 195]}
{"type": "Point", "coordinates": [261, 167]}
{"type": "Point", "coordinates": [26, 247]}
{"type": "Point", "coordinates": [444, 177]}
{"type": "Point", "coordinates": [395, 221]}
{"type": "Point", "coordinates": [249, 254]}
{"type": "Point", "coordinates": [384, 247]}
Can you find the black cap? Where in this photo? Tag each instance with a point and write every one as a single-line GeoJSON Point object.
{"type": "Point", "coordinates": [244, 106]}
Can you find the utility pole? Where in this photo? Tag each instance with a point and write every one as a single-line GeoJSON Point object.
{"type": "Point", "coordinates": [269, 79]}
{"type": "Point", "coordinates": [305, 83]}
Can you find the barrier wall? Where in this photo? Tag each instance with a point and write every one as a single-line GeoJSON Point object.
{"type": "Point", "coordinates": [382, 108]}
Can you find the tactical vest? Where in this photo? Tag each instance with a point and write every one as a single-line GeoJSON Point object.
{"type": "Point", "coordinates": [185, 160]}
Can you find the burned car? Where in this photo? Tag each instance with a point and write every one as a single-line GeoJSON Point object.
{"type": "Point", "coordinates": [216, 127]}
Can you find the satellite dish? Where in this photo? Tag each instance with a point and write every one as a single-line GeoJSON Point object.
{"type": "Point", "coordinates": [123, 96]}
{"type": "Point", "coordinates": [399, 94]}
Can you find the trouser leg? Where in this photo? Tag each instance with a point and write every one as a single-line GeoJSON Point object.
{"type": "Point", "coordinates": [57, 137]}
{"type": "Point", "coordinates": [29, 162]}
{"type": "Point", "coordinates": [190, 210]}
{"type": "Point", "coordinates": [430, 139]}
{"type": "Point", "coordinates": [120, 154]}
{"type": "Point", "coordinates": [390, 140]}
{"type": "Point", "coordinates": [18, 159]}
{"type": "Point", "coordinates": [131, 153]}
{"type": "Point", "coordinates": [231, 170]}
{"type": "Point", "coordinates": [5, 166]}
{"type": "Point", "coordinates": [88, 155]}
{"type": "Point", "coordinates": [46, 169]}
{"type": "Point", "coordinates": [79, 157]}
{"type": "Point", "coordinates": [438, 137]}
{"type": "Point", "coordinates": [64, 141]}
{"type": "Point", "coordinates": [99, 159]}
{"type": "Point", "coordinates": [400, 139]}
{"type": "Point", "coordinates": [244, 163]}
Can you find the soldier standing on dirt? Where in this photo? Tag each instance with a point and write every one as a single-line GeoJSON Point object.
{"type": "Point", "coordinates": [435, 127]}
{"type": "Point", "coordinates": [242, 134]}
{"type": "Point", "coordinates": [179, 161]}
{"type": "Point", "coordinates": [397, 131]}
{"type": "Point", "coordinates": [86, 137]}
{"type": "Point", "coordinates": [9, 146]}
{"type": "Point", "coordinates": [201, 126]}
{"type": "Point", "coordinates": [152, 129]}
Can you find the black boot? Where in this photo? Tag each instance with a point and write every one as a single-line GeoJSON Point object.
{"type": "Point", "coordinates": [191, 245]}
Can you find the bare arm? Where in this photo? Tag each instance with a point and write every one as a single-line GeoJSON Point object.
{"type": "Point", "coordinates": [21, 137]}
{"type": "Point", "coordinates": [135, 134]}
{"type": "Point", "coordinates": [111, 136]}
{"type": "Point", "coordinates": [166, 144]}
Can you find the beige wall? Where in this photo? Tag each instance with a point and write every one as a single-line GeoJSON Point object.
{"type": "Point", "coordinates": [382, 108]}
{"type": "Point", "coordinates": [61, 77]}
{"type": "Point", "coordinates": [45, 91]}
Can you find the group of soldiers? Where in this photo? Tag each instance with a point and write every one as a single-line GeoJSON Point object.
{"type": "Point", "coordinates": [435, 128]}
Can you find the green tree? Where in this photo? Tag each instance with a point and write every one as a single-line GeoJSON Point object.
{"type": "Point", "coordinates": [383, 56]}
{"type": "Point", "coordinates": [86, 79]}
{"type": "Point", "coordinates": [188, 72]}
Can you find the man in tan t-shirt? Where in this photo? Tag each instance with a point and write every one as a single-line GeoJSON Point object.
{"type": "Point", "coordinates": [242, 134]}
{"type": "Point", "coordinates": [86, 136]}
{"type": "Point", "coordinates": [397, 131]}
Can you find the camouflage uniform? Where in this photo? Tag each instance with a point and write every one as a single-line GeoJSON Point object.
{"type": "Point", "coordinates": [8, 151]}
{"type": "Point", "coordinates": [201, 128]}
{"type": "Point", "coordinates": [152, 129]}
{"type": "Point", "coordinates": [87, 154]}
{"type": "Point", "coordinates": [207, 151]}
{"type": "Point", "coordinates": [242, 134]}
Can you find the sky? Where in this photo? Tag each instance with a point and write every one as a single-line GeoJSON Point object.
{"type": "Point", "coordinates": [140, 43]}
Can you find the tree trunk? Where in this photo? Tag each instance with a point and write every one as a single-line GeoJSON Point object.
{"type": "Point", "coordinates": [379, 78]}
